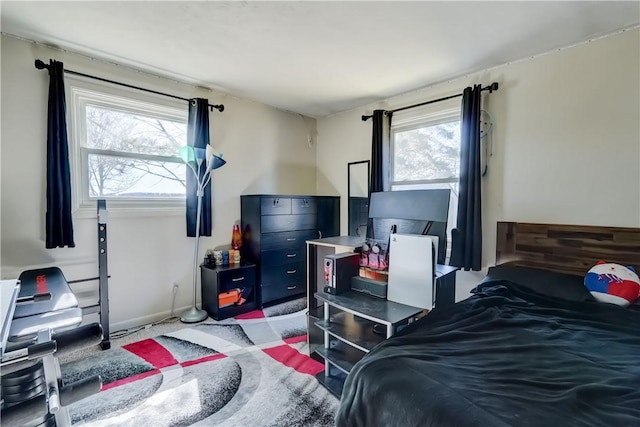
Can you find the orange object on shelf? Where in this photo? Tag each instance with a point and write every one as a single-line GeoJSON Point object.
{"type": "Point", "coordinates": [370, 273]}
{"type": "Point", "coordinates": [234, 296]}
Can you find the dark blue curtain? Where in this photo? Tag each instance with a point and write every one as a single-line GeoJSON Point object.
{"type": "Point", "coordinates": [380, 160]}
{"type": "Point", "coordinates": [59, 224]}
{"type": "Point", "coordinates": [380, 152]}
{"type": "Point", "coordinates": [466, 245]}
{"type": "Point", "coordinates": [198, 137]}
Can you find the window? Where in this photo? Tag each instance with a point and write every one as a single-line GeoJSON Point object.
{"type": "Point", "coordinates": [425, 154]}
{"type": "Point", "coordinates": [126, 151]}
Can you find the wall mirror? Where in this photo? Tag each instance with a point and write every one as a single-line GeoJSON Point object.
{"type": "Point", "coordinates": [358, 197]}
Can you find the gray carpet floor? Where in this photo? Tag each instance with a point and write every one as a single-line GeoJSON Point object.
{"type": "Point", "coordinates": [120, 338]}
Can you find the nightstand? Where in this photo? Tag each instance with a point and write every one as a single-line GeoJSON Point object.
{"type": "Point", "coordinates": [238, 279]}
{"type": "Point", "coordinates": [348, 326]}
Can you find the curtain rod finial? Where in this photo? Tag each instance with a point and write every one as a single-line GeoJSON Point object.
{"type": "Point", "coordinates": [365, 118]}
{"type": "Point", "coordinates": [494, 86]}
{"type": "Point", "coordinates": [40, 65]}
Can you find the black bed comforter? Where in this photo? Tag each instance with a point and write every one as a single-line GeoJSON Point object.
{"type": "Point", "coordinates": [504, 357]}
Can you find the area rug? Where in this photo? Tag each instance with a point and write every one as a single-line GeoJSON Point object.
{"type": "Point", "coordinates": [253, 370]}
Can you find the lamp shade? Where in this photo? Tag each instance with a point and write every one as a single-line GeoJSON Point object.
{"type": "Point", "coordinates": [188, 155]}
{"type": "Point", "coordinates": [214, 158]}
{"type": "Point", "coordinates": [216, 161]}
{"type": "Point", "coordinates": [195, 156]}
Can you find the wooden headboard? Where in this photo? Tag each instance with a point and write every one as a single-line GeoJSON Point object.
{"type": "Point", "coordinates": [570, 249]}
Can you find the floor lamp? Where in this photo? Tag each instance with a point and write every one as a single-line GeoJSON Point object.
{"type": "Point", "coordinates": [213, 161]}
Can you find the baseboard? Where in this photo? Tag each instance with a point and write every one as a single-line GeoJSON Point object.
{"type": "Point", "coordinates": [146, 320]}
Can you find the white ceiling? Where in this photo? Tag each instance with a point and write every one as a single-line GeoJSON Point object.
{"type": "Point", "coordinates": [314, 58]}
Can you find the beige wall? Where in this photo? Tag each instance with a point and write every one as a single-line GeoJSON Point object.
{"type": "Point", "coordinates": [566, 140]}
{"type": "Point", "coordinates": [566, 149]}
{"type": "Point", "coordinates": [267, 150]}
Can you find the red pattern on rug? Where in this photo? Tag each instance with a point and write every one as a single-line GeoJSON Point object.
{"type": "Point", "coordinates": [152, 352]}
{"type": "Point", "coordinates": [294, 340]}
{"type": "Point", "coordinates": [130, 379]}
{"type": "Point", "coordinates": [203, 359]}
{"type": "Point", "coordinates": [292, 358]}
{"type": "Point", "coordinates": [159, 357]}
{"type": "Point", "coordinates": [255, 314]}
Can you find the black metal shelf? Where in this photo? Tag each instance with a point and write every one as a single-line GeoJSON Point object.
{"type": "Point", "coordinates": [333, 383]}
{"type": "Point", "coordinates": [341, 355]}
{"type": "Point", "coordinates": [352, 330]}
{"type": "Point", "coordinates": [374, 309]}
{"type": "Point", "coordinates": [316, 313]}
{"type": "Point", "coordinates": [348, 331]}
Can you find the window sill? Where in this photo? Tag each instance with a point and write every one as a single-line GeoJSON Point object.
{"type": "Point", "coordinates": [131, 209]}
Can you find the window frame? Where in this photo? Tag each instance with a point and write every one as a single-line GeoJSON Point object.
{"type": "Point", "coordinates": [417, 121]}
{"type": "Point", "coordinates": [81, 94]}
{"type": "Point", "coordinates": [445, 113]}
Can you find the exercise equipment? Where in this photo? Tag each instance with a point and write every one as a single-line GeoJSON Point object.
{"type": "Point", "coordinates": [102, 307]}
{"type": "Point", "coordinates": [45, 324]}
{"type": "Point", "coordinates": [41, 321]}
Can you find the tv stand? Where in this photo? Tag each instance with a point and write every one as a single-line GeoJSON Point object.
{"type": "Point", "coordinates": [317, 249]}
{"type": "Point", "coordinates": [348, 327]}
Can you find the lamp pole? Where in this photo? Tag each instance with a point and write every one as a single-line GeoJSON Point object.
{"type": "Point", "coordinates": [194, 314]}
{"type": "Point", "coordinates": [214, 161]}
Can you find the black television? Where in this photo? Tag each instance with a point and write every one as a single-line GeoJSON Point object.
{"type": "Point", "coordinates": [412, 212]}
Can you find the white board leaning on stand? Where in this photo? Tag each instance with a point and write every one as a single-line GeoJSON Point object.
{"type": "Point", "coordinates": [412, 269]}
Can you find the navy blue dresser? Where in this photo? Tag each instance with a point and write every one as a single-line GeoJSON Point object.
{"type": "Point", "coordinates": [274, 231]}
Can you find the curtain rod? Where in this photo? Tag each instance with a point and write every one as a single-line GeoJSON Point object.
{"type": "Point", "coordinates": [492, 87]}
{"type": "Point", "coordinates": [40, 65]}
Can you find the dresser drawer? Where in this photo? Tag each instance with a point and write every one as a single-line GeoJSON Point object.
{"type": "Point", "coordinates": [275, 223]}
{"type": "Point", "coordinates": [275, 206]}
{"type": "Point", "coordinates": [284, 256]}
{"type": "Point", "coordinates": [304, 206]}
{"type": "Point", "coordinates": [272, 293]}
{"type": "Point", "coordinates": [291, 274]}
{"type": "Point", "coordinates": [283, 281]}
{"type": "Point", "coordinates": [287, 239]}
{"type": "Point", "coordinates": [236, 278]}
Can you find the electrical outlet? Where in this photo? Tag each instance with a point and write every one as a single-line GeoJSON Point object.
{"type": "Point", "coordinates": [176, 286]}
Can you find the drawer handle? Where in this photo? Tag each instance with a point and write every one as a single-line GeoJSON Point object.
{"type": "Point", "coordinates": [292, 255]}
{"type": "Point", "coordinates": [320, 234]}
{"type": "Point", "coordinates": [237, 279]}
{"type": "Point", "coordinates": [275, 202]}
{"type": "Point", "coordinates": [291, 239]}
{"type": "Point", "coordinates": [291, 271]}
{"type": "Point", "coordinates": [290, 288]}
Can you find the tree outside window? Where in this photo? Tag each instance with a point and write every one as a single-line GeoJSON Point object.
{"type": "Point", "coordinates": [131, 155]}
{"type": "Point", "coordinates": [427, 153]}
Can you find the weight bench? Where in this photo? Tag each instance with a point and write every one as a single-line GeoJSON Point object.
{"type": "Point", "coordinates": [45, 325]}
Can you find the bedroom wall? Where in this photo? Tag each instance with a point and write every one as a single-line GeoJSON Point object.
{"type": "Point", "coordinates": [267, 151]}
{"type": "Point", "coordinates": [566, 139]}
